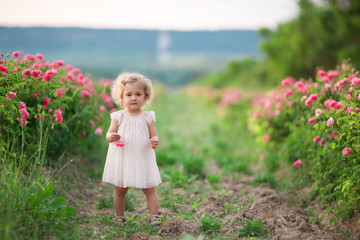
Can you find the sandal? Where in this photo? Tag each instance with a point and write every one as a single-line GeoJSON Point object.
{"type": "Point", "coordinates": [121, 220]}
{"type": "Point", "coordinates": [154, 219]}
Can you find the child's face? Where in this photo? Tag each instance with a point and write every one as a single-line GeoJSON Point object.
{"type": "Point", "coordinates": [134, 96]}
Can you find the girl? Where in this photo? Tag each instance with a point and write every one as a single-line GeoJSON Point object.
{"type": "Point", "coordinates": [131, 161]}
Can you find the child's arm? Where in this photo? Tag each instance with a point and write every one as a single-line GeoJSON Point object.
{"type": "Point", "coordinates": [154, 138]}
{"type": "Point", "coordinates": [112, 135]}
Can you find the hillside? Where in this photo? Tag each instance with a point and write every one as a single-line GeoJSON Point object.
{"type": "Point", "coordinates": [172, 56]}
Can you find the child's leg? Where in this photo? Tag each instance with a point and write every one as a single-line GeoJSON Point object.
{"type": "Point", "coordinates": [152, 200]}
{"type": "Point", "coordinates": [119, 201]}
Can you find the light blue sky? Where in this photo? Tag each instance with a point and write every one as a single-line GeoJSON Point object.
{"type": "Point", "coordinates": [149, 14]}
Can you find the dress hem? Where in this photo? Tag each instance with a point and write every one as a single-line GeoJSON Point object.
{"type": "Point", "coordinates": [132, 186]}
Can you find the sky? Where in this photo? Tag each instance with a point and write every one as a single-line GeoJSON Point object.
{"type": "Point", "coordinates": [148, 14]}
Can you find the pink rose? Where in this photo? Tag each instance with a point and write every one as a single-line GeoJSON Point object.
{"type": "Point", "coordinates": [120, 144]}
{"type": "Point", "coordinates": [58, 116]}
{"type": "Point", "coordinates": [297, 163]}
{"type": "Point", "coordinates": [321, 73]}
{"type": "Point", "coordinates": [346, 151]}
{"type": "Point", "coordinates": [36, 74]}
{"type": "Point", "coordinates": [85, 94]}
{"type": "Point", "coordinates": [330, 121]}
{"type": "Point", "coordinates": [92, 123]}
{"type": "Point", "coordinates": [24, 113]}
{"type": "Point", "coordinates": [318, 112]}
{"type": "Point", "coordinates": [334, 135]}
{"type": "Point", "coordinates": [11, 95]}
{"type": "Point", "coordinates": [39, 56]}
{"type": "Point", "coordinates": [26, 72]}
{"type": "Point", "coordinates": [23, 121]}
{"type": "Point", "coordinates": [15, 54]}
{"type": "Point", "coordinates": [98, 131]}
{"type": "Point", "coordinates": [312, 120]}
{"type": "Point", "coordinates": [103, 108]}
{"type": "Point", "coordinates": [316, 139]}
{"type": "Point", "coordinates": [288, 93]}
{"type": "Point", "coordinates": [287, 81]}
{"type": "Point", "coordinates": [45, 102]}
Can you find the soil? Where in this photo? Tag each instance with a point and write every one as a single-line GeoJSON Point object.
{"type": "Point", "coordinates": [279, 212]}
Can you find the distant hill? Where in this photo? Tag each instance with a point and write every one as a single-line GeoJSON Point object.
{"type": "Point", "coordinates": [172, 56]}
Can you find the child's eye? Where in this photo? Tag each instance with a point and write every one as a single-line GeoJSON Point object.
{"type": "Point", "coordinates": [139, 94]}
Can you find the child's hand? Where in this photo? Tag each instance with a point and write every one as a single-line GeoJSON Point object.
{"type": "Point", "coordinates": [114, 137]}
{"type": "Point", "coordinates": [154, 142]}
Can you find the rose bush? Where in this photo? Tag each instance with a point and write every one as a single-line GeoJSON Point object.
{"type": "Point", "coordinates": [49, 107]}
{"type": "Point", "coordinates": [317, 122]}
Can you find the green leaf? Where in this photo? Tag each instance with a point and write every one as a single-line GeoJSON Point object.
{"type": "Point", "coordinates": [56, 203]}
{"type": "Point", "coordinates": [48, 191]}
{"type": "Point", "coordinates": [66, 212]}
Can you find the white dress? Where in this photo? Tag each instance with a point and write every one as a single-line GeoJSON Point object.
{"type": "Point", "coordinates": [133, 165]}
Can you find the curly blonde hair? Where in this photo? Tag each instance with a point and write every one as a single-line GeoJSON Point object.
{"type": "Point", "coordinates": [118, 88]}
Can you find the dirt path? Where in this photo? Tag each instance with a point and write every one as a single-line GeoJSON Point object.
{"type": "Point", "coordinates": [185, 207]}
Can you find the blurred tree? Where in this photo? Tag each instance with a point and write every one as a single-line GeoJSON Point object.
{"type": "Point", "coordinates": [322, 35]}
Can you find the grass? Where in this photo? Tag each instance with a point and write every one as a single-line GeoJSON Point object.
{"type": "Point", "coordinates": [254, 228]}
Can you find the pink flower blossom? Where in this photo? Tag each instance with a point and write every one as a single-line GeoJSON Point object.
{"type": "Point", "coordinates": [313, 96]}
{"type": "Point", "coordinates": [98, 131]}
{"type": "Point", "coordinates": [36, 74]}
{"type": "Point", "coordinates": [316, 139]}
{"type": "Point", "coordinates": [103, 108]}
{"type": "Point", "coordinates": [22, 105]}
{"type": "Point", "coordinates": [106, 99]}
{"type": "Point", "coordinates": [3, 68]}
{"type": "Point", "coordinates": [15, 54]}
{"type": "Point", "coordinates": [68, 67]}
{"type": "Point", "coordinates": [312, 120]}
{"type": "Point", "coordinates": [230, 96]}
{"type": "Point", "coordinates": [354, 81]}
{"type": "Point", "coordinates": [4, 127]}
{"type": "Point", "coordinates": [318, 112]}
{"type": "Point", "coordinates": [308, 101]}
{"type": "Point", "coordinates": [346, 151]}
{"type": "Point", "coordinates": [333, 73]}
{"type": "Point", "coordinates": [28, 57]}
{"type": "Point", "coordinates": [343, 67]}
{"type": "Point", "coordinates": [60, 92]}
{"type": "Point", "coordinates": [75, 71]}
{"type": "Point", "coordinates": [297, 163]}
{"type": "Point", "coordinates": [330, 121]}
{"type": "Point", "coordinates": [23, 121]}
{"type": "Point", "coordinates": [266, 138]}
{"type": "Point", "coordinates": [58, 116]}
{"type": "Point", "coordinates": [288, 93]}
{"type": "Point", "coordinates": [11, 95]}
{"type": "Point", "coordinates": [120, 144]}
{"type": "Point", "coordinates": [321, 73]}
{"type": "Point", "coordinates": [45, 102]}
{"type": "Point", "coordinates": [287, 81]}
{"type": "Point", "coordinates": [39, 56]}
{"type": "Point", "coordinates": [85, 94]}
{"type": "Point", "coordinates": [92, 123]}
{"type": "Point", "coordinates": [48, 74]}
{"type": "Point", "coordinates": [24, 113]}
{"type": "Point", "coordinates": [26, 72]}
{"type": "Point", "coordinates": [334, 135]}
{"type": "Point", "coordinates": [36, 95]}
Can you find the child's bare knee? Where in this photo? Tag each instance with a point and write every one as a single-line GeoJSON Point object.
{"type": "Point", "coordinates": [120, 191]}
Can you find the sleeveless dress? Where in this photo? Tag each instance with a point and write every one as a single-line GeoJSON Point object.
{"type": "Point", "coordinates": [134, 164]}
